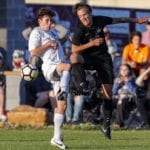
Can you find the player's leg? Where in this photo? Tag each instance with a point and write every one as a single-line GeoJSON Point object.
{"type": "Point", "coordinates": [56, 72]}
{"type": "Point", "coordinates": [61, 89]}
{"type": "Point", "coordinates": [78, 73]}
{"type": "Point", "coordinates": [107, 109]}
{"type": "Point", "coordinates": [105, 71]}
{"type": "Point", "coordinates": [58, 121]}
{"type": "Point", "coordinates": [63, 70]}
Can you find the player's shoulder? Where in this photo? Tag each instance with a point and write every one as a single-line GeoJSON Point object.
{"type": "Point", "coordinates": [37, 30]}
{"type": "Point", "coordinates": [53, 33]}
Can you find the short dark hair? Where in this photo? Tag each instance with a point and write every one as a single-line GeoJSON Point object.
{"type": "Point", "coordinates": [136, 33]}
{"type": "Point", "coordinates": [80, 5]}
{"type": "Point", "coordinates": [45, 11]}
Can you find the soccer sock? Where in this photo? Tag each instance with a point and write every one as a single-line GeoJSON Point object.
{"type": "Point", "coordinates": [78, 74]}
{"type": "Point", "coordinates": [58, 122]}
{"type": "Point", "coordinates": [107, 110]}
{"type": "Point", "coordinates": [64, 81]}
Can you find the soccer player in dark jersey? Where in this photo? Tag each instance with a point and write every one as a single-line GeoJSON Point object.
{"type": "Point", "coordinates": [89, 49]}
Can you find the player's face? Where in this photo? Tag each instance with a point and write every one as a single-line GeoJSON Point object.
{"type": "Point", "coordinates": [85, 17]}
{"type": "Point", "coordinates": [45, 22]}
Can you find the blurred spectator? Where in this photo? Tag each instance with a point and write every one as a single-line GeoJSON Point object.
{"type": "Point", "coordinates": [36, 92]}
{"type": "Point", "coordinates": [60, 29]}
{"type": "Point", "coordinates": [146, 35]}
{"type": "Point", "coordinates": [74, 108]}
{"type": "Point", "coordinates": [112, 50]}
{"type": "Point", "coordinates": [18, 59]}
{"type": "Point", "coordinates": [2, 88]}
{"type": "Point", "coordinates": [124, 93]}
{"type": "Point", "coordinates": [136, 54]}
{"type": "Point", "coordinates": [112, 47]}
{"type": "Point", "coordinates": [143, 100]}
{"type": "Point", "coordinates": [75, 100]}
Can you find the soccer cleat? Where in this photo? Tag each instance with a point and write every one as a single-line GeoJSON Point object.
{"type": "Point", "coordinates": [107, 132]}
{"type": "Point", "coordinates": [58, 143]}
{"type": "Point", "coordinates": [62, 96]}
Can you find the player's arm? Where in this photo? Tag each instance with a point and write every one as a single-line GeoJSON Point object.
{"type": "Point", "coordinates": [83, 47]}
{"type": "Point", "coordinates": [42, 48]}
{"type": "Point", "coordinates": [128, 20]}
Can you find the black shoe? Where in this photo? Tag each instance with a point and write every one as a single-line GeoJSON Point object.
{"type": "Point", "coordinates": [62, 96]}
{"type": "Point", "coordinates": [107, 132]}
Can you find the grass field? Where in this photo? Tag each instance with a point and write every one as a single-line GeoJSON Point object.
{"type": "Point", "coordinates": [76, 139]}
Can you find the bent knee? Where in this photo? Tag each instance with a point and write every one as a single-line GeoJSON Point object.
{"type": "Point", "coordinates": [76, 58]}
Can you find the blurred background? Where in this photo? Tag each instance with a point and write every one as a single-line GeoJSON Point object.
{"type": "Point", "coordinates": [16, 15]}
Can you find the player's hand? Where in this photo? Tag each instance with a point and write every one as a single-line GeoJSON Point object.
{"type": "Point", "coordinates": [52, 44]}
{"type": "Point", "coordinates": [142, 20]}
{"type": "Point", "coordinates": [97, 41]}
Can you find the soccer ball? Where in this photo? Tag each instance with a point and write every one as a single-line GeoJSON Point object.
{"type": "Point", "coordinates": [29, 72]}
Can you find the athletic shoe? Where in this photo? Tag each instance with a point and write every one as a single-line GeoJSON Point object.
{"type": "Point", "coordinates": [58, 143]}
{"type": "Point", "coordinates": [107, 132]}
{"type": "Point", "coordinates": [61, 95]}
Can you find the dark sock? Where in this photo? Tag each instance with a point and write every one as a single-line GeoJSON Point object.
{"type": "Point", "coordinates": [107, 110]}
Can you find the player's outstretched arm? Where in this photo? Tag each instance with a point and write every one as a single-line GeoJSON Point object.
{"type": "Point", "coordinates": [133, 20]}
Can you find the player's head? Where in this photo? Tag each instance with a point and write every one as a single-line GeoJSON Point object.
{"type": "Point", "coordinates": [44, 18]}
{"type": "Point", "coordinates": [84, 13]}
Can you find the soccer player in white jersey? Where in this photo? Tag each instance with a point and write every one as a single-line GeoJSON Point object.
{"type": "Point", "coordinates": [44, 42]}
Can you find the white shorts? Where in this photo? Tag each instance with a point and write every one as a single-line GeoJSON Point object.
{"type": "Point", "coordinates": [48, 71]}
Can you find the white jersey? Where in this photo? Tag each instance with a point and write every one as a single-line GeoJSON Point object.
{"type": "Point", "coordinates": [51, 56]}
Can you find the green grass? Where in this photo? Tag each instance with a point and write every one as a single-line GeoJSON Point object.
{"type": "Point", "coordinates": [76, 139]}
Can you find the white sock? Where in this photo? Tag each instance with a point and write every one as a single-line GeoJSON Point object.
{"type": "Point", "coordinates": [58, 122]}
{"type": "Point", "coordinates": [64, 81]}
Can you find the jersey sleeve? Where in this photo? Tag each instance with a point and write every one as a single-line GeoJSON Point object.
{"type": "Point", "coordinates": [104, 20]}
{"type": "Point", "coordinates": [34, 40]}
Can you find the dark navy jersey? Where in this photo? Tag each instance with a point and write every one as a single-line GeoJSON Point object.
{"type": "Point", "coordinates": [83, 35]}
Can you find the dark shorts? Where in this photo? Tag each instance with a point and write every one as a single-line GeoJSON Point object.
{"type": "Point", "coordinates": [104, 66]}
